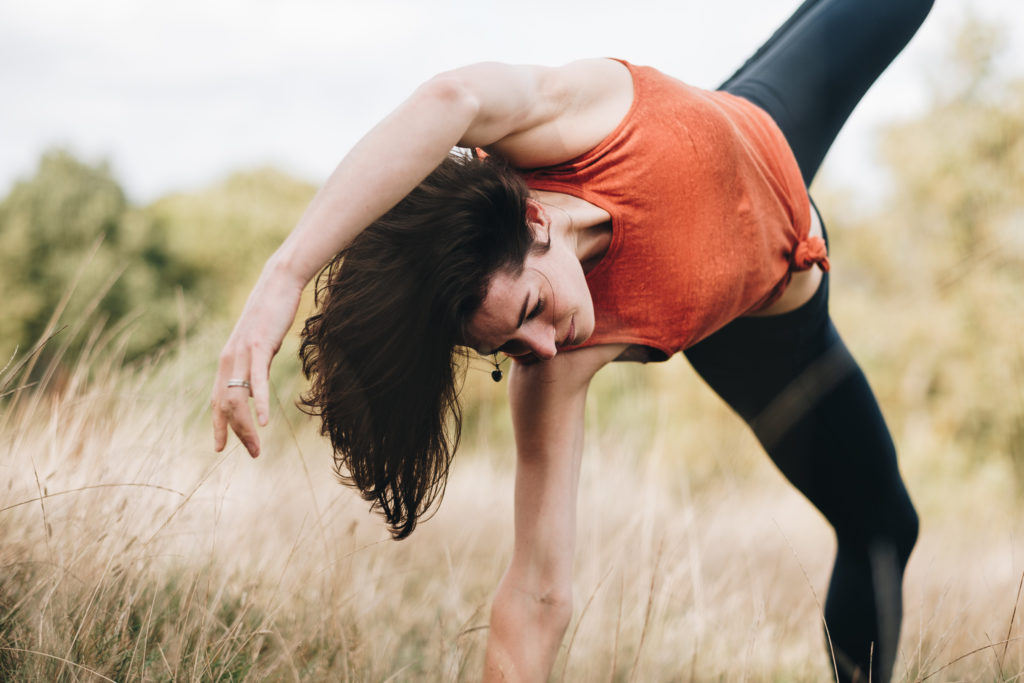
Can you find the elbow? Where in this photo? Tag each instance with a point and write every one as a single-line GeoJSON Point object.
{"type": "Point", "coordinates": [450, 94]}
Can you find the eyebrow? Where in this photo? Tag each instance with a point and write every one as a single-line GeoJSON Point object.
{"type": "Point", "coordinates": [522, 312]}
{"type": "Point", "coordinates": [519, 323]}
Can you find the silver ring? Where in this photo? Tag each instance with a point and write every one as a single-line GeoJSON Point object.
{"type": "Point", "coordinates": [244, 383]}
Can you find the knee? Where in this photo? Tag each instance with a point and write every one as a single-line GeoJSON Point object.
{"type": "Point", "coordinates": [882, 528]}
{"type": "Point", "coordinates": [912, 529]}
{"type": "Point", "coordinates": [895, 530]}
{"type": "Point", "coordinates": [904, 529]}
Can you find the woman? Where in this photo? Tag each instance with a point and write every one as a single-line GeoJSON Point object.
{"type": "Point", "coordinates": [618, 215]}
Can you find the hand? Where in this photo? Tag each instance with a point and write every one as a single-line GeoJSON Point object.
{"type": "Point", "coordinates": [247, 355]}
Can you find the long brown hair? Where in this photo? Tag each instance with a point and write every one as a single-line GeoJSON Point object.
{"type": "Point", "coordinates": [383, 351]}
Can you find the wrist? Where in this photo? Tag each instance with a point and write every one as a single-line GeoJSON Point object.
{"type": "Point", "coordinates": [284, 270]}
{"type": "Point", "coordinates": [525, 634]}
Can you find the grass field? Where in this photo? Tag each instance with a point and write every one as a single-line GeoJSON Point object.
{"type": "Point", "coordinates": [130, 551]}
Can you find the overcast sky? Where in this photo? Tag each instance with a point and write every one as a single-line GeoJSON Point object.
{"type": "Point", "coordinates": [178, 94]}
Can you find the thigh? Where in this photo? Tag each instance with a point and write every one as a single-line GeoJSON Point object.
{"type": "Point", "coordinates": [792, 379]}
{"type": "Point", "coordinates": [764, 366]}
{"type": "Point", "coordinates": [814, 70]}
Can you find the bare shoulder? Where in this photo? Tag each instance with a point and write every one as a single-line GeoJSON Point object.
{"type": "Point", "coordinates": [596, 80]}
{"type": "Point", "coordinates": [587, 99]}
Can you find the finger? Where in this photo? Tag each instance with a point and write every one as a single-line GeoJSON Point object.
{"type": "Point", "coordinates": [239, 416]}
{"type": "Point", "coordinates": [220, 423]}
{"type": "Point", "coordinates": [260, 383]}
{"type": "Point", "coordinates": [225, 365]}
{"type": "Point", "coordinates": [234, 403]}
{"type": "Point", "coordinates": [220, 427]}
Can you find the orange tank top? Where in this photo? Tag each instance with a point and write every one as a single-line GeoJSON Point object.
{"type": "Point", "coordinates": [708, 208]}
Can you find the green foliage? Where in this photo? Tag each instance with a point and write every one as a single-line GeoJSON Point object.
{"type": "Point", "coordinates": [959, 169]}
{"type": "Point", "coordinates": [47, 225]}
{"type": "Point", "coordinates": [945, 254]}
{"type": "Point", "coordinates": [226, 232]}
{"type": "Point", "coordinates": [69, 231]}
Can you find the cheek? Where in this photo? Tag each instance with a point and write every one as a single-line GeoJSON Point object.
{"type": "Point", "coordinates": [589, 317]}
{"type": "Point", "coordinates": [583, 293]}
{"type": "Point", "coordinates": [584, 306]}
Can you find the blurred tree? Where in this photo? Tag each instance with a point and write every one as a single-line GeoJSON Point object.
{"type": "Point", "coordinates": [946, 251]}
{"type": "Point", "coordinates": [70, 225]}
{"type": "Point", "coordinates": [960, 167]}
{"type": "Point", "coordinates": [67, 223]}
{"type": "Point", "coordinates": [226, 232]}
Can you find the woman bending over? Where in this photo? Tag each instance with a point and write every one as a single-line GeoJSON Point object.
{"type": "Point", "coordinates": [618, 214]}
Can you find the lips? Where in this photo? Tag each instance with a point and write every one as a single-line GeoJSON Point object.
{"type": "Point", "coordinates": [570, 338]}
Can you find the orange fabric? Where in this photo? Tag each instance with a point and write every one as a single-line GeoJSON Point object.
{"type": "Point", "coordinates": [709, 214]}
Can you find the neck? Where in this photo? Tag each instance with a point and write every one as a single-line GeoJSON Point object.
{"type": "Point", "coordinates": [567, 224]}
{"type": "Point", "coordinates": [586, 226]}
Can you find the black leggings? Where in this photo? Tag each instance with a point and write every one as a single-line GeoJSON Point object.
{"type": "Point", "coordinates": [790, 377]}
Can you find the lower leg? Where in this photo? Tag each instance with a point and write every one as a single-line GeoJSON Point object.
{"type": "Point", "coordinates": [811, 74]}
{"type": "Point", "coordinates": [842, 458]}
{"type": "Point", "coordinates": [864, 608]}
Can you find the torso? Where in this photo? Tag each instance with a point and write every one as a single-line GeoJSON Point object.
{"type": "Point", "coordinates": [594, 226]}
{"type": "Point", "coordinates": [802, 285]}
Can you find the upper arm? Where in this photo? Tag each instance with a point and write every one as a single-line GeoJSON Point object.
{"type": "Point", "coordinates": [535, 115]}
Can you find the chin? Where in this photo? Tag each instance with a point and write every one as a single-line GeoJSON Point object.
{"type": "Point", "coordinates": [585, 332]}
{"type": "Point", "coordinates": [585, 327]}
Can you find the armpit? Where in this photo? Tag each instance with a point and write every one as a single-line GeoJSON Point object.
{"type": "Point", "coordinates": [638, 353]}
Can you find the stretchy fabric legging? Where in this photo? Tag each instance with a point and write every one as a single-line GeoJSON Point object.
{"type": "Point", "coordinates": [790, 377]}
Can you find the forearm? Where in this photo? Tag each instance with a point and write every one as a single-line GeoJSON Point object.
{"type": "Point", "coordinates": [376, 174]}
{"type": "Point", "coordinates": [527, 627]}
{"type": "Point", "coordinates": [474, 106]}
{"type": "Point", "coordinates": [533, 604]}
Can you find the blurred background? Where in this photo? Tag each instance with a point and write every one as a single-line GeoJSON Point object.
{"type": "Point", "coordinates": [168, 114]}
{"type": "Point", "coordinates": [176, 96]}
{"type": "Point", "coordinates": [154, 154]}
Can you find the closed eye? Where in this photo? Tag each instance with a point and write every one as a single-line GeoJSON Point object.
{"type": "Point", "coordinates": [538, 309]}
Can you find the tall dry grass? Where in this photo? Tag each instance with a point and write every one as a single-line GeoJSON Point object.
{"type": "Point", "coordinates": [130, 551]}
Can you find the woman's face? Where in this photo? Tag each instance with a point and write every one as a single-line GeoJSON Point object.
{"type": "Point", "coordinates": [545, 308]}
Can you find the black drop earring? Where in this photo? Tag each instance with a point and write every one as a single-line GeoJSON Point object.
{"type": "Point", "coordinates": [496, 373]}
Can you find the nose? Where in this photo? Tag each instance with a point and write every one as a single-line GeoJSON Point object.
{"type": "Point", "coordinates": [541, 340]}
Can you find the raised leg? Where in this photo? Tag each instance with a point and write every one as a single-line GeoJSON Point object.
{"type": "Point", "coordinates": [815, 69]}
{"type": "Point", "coordinates": [791, 378]}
